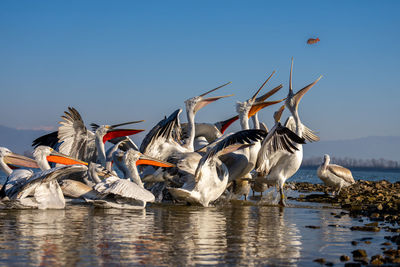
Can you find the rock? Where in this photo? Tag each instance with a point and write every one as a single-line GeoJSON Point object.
{"type": "Point", "coordinates": [379, 257]}
{"type": "Point", "coordinates": [359, 253]}
{"type": "Point", "coordinates": [313, 226]}
{"type": "Point", "coordinates": [320, 260]}
{"type": "Point", "coordinates": [374, 224]}
{"type": "Point", "coordinates": [390, 252]}
{"type": "Point", "coordinates": [364, 261]}
{"type": "Point", "coordinates": [367, 242]}
{"type": "Point", "coordinates": [344, 258]}
{"type": "Point", "coordinates": [386, 244]}
{"type": "Point", "coordinates": [365, 228]}
{"type": "Point", "coordinates": [354, 243]}
{"type": "Point", "coordinates": [376, 262]}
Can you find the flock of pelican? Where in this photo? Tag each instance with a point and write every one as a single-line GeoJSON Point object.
{"type": "Point", "coordinates": [190, 162]}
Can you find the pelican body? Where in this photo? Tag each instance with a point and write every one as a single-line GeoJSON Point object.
{"type": "Point", "coordinates": [334, 175]}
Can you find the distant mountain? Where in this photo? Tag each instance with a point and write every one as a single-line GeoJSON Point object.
{"type": "Point", "coordinates": [373, 147]}
{"type": "Point", "coordinates": [18, 141]}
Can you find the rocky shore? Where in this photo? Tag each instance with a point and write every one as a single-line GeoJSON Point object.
{"type": "Point", "coordinates": [379, 201]}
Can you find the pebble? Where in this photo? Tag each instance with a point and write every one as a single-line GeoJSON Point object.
{"type": "Point", "coordinates": [313, 226]}
{"type": "Point", "coordinates": [344, 258]}
{"type": "Point", "coordinates": [320, 260]}
{"type": "Point", "coordinates": [359, 253]}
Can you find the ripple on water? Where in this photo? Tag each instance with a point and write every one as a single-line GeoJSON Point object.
{"type": "Point", "coordinates": [242, 233]}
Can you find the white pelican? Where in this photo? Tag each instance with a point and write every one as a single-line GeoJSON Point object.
{"type": "Point", "coordinates": [163, 142]}
{"type": "Point", "coordinates": [211, 176]}
{"type": "Point", "coordinates": [124, 193]}
{"type": "Point", "coordinates": [334, 175]}
{"type": "Point", "coordinates": [279, 165]}
{"type": "Point", "coordinates": [42, 185]}
{"type": "Point", "coordinates": [75, 140]}
{"type": "Point", "coordinates": [241, 162]}
{"type": "Point", "coordinates": [164, 138]}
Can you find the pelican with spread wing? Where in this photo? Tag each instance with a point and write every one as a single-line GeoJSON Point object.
{"type": "Point", "coordinates": [279, 165]}
{"type": "Point", "coordinates": [211, 175]}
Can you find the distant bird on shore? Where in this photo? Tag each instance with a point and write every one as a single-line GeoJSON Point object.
{"type": "Point", "coordinates": [313, 41]}
{"type": "Point", "coordinates": [334, 175]}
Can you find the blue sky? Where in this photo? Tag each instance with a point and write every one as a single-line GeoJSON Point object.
{"type": "Point", "coordinates": [117, 61]}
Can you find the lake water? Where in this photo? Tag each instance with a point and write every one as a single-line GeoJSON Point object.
{"type": "Point", "coordinates": [236, 233]}
{"type": "Point", "coordinates": [178, 235]}
{"type": "Point", "coordinates": [310, 175]}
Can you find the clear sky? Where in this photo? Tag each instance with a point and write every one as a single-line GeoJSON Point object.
{"type": "Point", "coordinates": [117, 61]}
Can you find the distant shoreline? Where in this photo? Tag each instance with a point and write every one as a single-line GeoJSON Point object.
{"type": "Point", "coordinates": [381, 169]}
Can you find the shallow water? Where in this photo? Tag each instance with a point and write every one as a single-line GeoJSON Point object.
{"type": "Point", "coordinates": [178, 235]}
{"type": "Point", "coordinates": [245, 233]}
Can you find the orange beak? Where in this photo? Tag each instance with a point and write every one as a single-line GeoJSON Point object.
{"type": "Point", "coordinates": [259, 106]}
{"type": "Point", "coordinates": [145, 160]}
{"type": "Point", "coordinates": [60, 158]}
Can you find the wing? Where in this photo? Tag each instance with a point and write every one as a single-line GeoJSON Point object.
{"type": "Point", "coordinates": [307, 133]}
{"type": "Point", "coordinates": [166, 130]}
{"type": "Point", "coordinates": [50, 140]}
{"type": "Point", "coordinates": [47, 176]}
{"type": "Point", "coordinates": [279, 138]}
{"type": "Point", "coordinates": [231, 143]}
{"type": "Point", "coordinates": [128, 189]}
{"type": "Point", "coordinates": [15, 181]}
{"type": "Point", "coordinates": [77, 141]}
{"type": "Point", "coordinates": [341, 172]}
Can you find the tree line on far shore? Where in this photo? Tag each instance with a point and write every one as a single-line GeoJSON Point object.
{"type": "Point", "coordinates": [354, 163]}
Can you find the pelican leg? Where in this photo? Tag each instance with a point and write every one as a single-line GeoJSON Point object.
{"type": "Point", "coordinates": [245, 197]}
{"type": "Point", "coordinates": [282, 199]}
{"type": "Point", "coordinates": [340, 188]}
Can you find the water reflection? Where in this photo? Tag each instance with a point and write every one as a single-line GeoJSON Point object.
{"type": "Point", "coordinates": [169, 235]}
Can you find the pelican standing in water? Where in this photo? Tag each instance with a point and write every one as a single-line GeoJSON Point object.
{"type": "Point", "coordinates": [334, 175]}
{"type": "Point", "coordinates": [280, 165]}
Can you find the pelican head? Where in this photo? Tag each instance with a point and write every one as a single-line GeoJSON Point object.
{"type": "Point", "coordinates": [135, 158]}
{"type": "Point", "coordinates": [326, 159]}
{"type": "Point", "coordinates": [293, 99]}
{"type": "Point", "coordinates": [4, 152]}
{"type": "Point", "coordinates": [194, 104]}
{"type": "Point", "coordinates": [278, 114]}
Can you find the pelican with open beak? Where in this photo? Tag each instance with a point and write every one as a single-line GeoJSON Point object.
{"type": "Point", "coordinates": [193, 105]}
